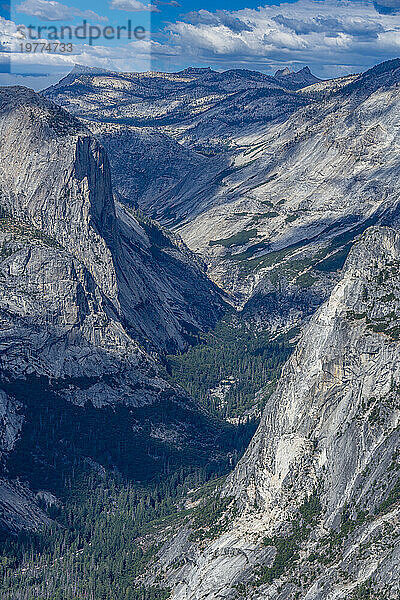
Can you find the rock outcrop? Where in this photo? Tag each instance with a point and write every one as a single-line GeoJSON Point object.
{"type": "Point", "coordinates": [317, 493]}
{"type": "Point", "coordinates": [56, 177]}
{"type": "Point", "coordinates": [296, 79]}
{"type": "Point", "coordinates": [86, 292]}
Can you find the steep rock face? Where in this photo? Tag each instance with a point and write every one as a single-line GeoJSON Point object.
{"type": "Point", "coordinates": [18, 505]}
{"type": "Point", "coordinates": [55, 321]}
{"type": "Point", "coordinates": [318, 489]}
{"type": "Point", "coordinates": [165, 295]}
{"type": "Point", "coordinates": [56, 176]}
{"type": "Point", "coordinates": [82, 284]}
{"type": "Point", "coordinates": [304, 188]}
{"type": "Point", "coordinates": [18, 508]}
{"type": "Point", "coordinates": [10, 422]}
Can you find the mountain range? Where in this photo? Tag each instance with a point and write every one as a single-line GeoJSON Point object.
{"type": "Point", "coordinates": [164, 236]}
{"type": "Point", "coordinates": [255, 179]}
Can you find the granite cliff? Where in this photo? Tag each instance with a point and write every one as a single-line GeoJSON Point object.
{"type": "Point", "coordinates": [88, 296]}
{"type": "Point", "coordinates": [312, 509]}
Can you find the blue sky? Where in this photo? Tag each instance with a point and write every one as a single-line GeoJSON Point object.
{"type": "Point", "coordinates": [332, 37]}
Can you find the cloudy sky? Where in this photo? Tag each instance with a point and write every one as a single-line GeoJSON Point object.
{"type": "Point", "coordinates": [332, 37]}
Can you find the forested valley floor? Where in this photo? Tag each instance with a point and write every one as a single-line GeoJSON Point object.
{"type": "Point", "coordinates": [110, 523]}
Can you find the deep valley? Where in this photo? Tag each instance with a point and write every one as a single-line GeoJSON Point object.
{"type": "Point", "coordinates": [200, 336]}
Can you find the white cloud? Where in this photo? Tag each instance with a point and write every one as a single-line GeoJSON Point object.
{"type": "Point", "coordinates": [32, 69]}
{"type": "Point", "coordinates": [387, 6]}
{"type": "Point", "coordinates": [50, 10]}
{"type": "Point", "coordinates": [331, 36]}
{"type": "Point", "coordinates": [132, 6]}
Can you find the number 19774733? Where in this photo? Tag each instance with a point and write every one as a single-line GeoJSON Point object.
{"type": "Point", "coordinates": [40, 47]}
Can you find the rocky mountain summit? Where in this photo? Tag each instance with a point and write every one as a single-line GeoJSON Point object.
{"type": "Point", "coordinates": [79, 215]}
{"type": "Point", "coordinates": [312, 509]}
{"type": "Point", "coordinates": [296, 79]}
{"type": "Point", "coordinates": [86, 292]}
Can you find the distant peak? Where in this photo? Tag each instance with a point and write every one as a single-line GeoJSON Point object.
{"type": "Point", "coordinates": [286, 71]}
{"type": "Point", "coordinates": [296, 79]}
{"type": "Point", "coordinates": [76, 72]}
{"type": "Point", "coordinates": [283, 72]}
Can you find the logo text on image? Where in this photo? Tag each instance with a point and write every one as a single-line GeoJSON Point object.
{"type": "Point", "coordinates": [83, 32]}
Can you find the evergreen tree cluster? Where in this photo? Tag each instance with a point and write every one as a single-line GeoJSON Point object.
{"type": "Point", "coordinates": [104, 537]}
{"type": "Point", "coordinates": [236, 356]}
{"type": "Point", "coordinates": [118, 491]}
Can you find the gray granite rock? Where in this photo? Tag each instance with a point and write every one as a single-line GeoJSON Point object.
{"type": "Point", "coordinates": [323, 468]}
{"type": "Point", "coordinates": [88, 294]}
